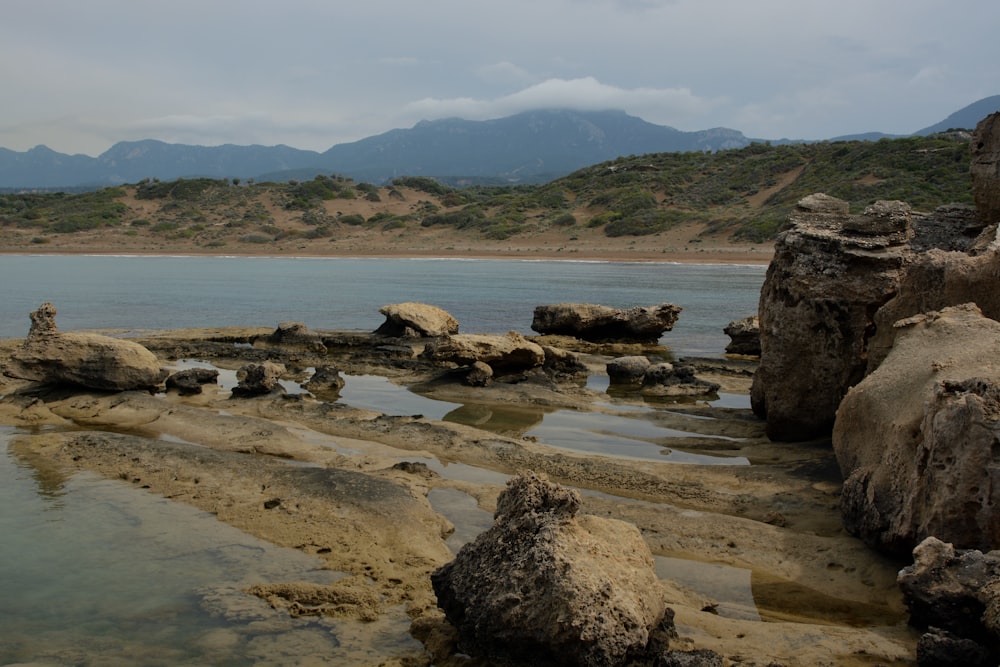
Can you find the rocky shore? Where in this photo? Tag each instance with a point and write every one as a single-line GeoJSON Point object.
{"type": "Point", "coordinates": [856, 498]}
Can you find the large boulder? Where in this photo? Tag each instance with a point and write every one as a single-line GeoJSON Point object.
{"type": "Point", "coordinates": [416, 320]}
{"type": "Point", "coordinates": [954, 599]}
{"type": "Point", "coordinates": [985, 168]}
{"type": "Point", "coordinates": [508, 353]}
{"type": "Point", "coordinates": [916, 440]}
{"type": "Point", "coordinates": [831, 271]}
{"type": "Point", "coordinates": [86, 360]}
{"type": "Point", "coordinates": [597, 323]}
{"type": "Point", "coordinates": [545, 585]}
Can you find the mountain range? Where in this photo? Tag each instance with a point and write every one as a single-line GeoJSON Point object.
{"type": "Point", "coordinates": [530, 147]}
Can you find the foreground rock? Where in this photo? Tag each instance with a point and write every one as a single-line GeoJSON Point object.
{"type": "Point", "coordinates": [546, 586]}
{"type": "Point", "coordinates": [189, 381]}
{"type": "Point", "coordinates": [416, 320]}
{"type": "Point", "coordinates": [916, 440]}
{"type": "Point", "coordinates": [597, 323]}
{"type": "Point", "coordinates": [84, 360]}
{"type": "Point", "coordinates": [661, 379]}
{"type": "Point", "coordinates": [985, 168]}
{"type": "Point", "coordinates": [954, 598]}
{"type": "Point", "coordinates": [831, 271]}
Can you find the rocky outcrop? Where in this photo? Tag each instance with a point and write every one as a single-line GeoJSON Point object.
{"type": "Point", "coordinates": [597, 323]}
{"type": "Point", "coordinates": [258, 379]}
{"type": "Point", "coordinates": [985, 169]}
{"type": "Point", "coordinates": [563, 364]}
{"type": "Point", "coordinates": [916, 441]}
{"type": "Point", "coordinates": [628, 370]}
{"type": "Point", "coordinates": [189, 381]}
{"type": "Point", "coordinates": [508, 353]}
{"type": "Point", "coordinates": [297, 335]}
{"type": "Point", "coordinates": [954, 598]}
{"type": "Point", "coordinates": [744, 336]}
{"type": "Point", "coordinates": [416, 320]}
{"type": "Point", "coordinates": [666, 379]}
{"type": "Point", "coordinates": [545, 585]}
{"type": "Point", "coordinates": [84, 360]}
{"type": "Point", "coordinates": [830, 273]}
{"type": "Point", "coordinates": [326, 381]}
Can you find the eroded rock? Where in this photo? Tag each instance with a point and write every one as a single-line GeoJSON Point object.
{"type": "Point", "coordinates": [258, 379]}
{"type": "Point", "coordinates": [190, 380]}
{"type": "Point", "coordinates": [545, 585]}
{"type": "Point", "coordinates": [831, 271]}
{"type": "Point", "coordinates": [744, 336]}
{"type": "Point", "coordinates": [952, 596]}
{"type": "Point", "coordinates": [511, 352]}
{"type": "Point", "coordinates": [86, 360]}
{"type": "Point", "coordinates": [985, 168]}
{"type": "Point", "coordinates": [597, 323]}
{"type": "Point", "coordinates": [916, 440]}
{"type": "Point", "coordinates": [297, 335]}
{"type": "Point", "coordinates": [416, 320]}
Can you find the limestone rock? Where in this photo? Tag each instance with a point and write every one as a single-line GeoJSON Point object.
{"type": "Point", "coordinates": [511, 352]}
{"type": "Point", "coordinates": [627, 370]}
{"type": "Point", "coordinates": [950, 594]}
{"type": "Point", "coordinates": [985, 168]}
{"type": "Point", "coordinates": [258, 379]}
{"type": "Point", "coordinates": [831, 271]}
{"type": "Point", "coordinates": [479, 375]}
{"type": "Point", "coordinates": [325, 381]}
{"type": "Point", "coordinates": [744, 336]}
{"type": "Point", "coordinates": [546, 586]}
{"type": "Point", "coordinates": [85, 360]}
{"type": "Point", "coordinates": [190, 380]}
{"type": "Point", "coordinates": [416, 320]}
{"type": "Point", "coordinates": [563, 364]}
{"type": "Point", "coordinates": [297, 335]}
{"type": "Point", "coordinates": [675, 380]}
{"type": "Point", "coordinates": [597, 323]}
{"type": "Point", "coordinates": [916, 440]}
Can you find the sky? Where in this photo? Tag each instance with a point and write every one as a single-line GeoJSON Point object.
{"type": "Point", "coordinates": [80, 75]}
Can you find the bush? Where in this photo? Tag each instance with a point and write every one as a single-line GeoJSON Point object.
{"type": "Point", "coordinates": [255, 238]}
{"type": "Point", "coordinates": [353, 219]}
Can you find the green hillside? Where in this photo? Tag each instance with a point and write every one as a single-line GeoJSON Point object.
{"type": "Point", "coordinates": [743, 194]}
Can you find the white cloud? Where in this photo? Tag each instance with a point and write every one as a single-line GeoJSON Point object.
{"type": "Point", "coordinates": [587, 93]}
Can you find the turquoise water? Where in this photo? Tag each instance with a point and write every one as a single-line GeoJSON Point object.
{"type": "Point", "coordinates": [486, 296]}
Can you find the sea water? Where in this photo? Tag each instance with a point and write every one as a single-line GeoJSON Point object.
{"type": "Point", "coordinates": [94, 571]}
{"type": "Point", "coordinates": [485, 296]}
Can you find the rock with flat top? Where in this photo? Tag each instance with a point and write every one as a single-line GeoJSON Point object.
{"type": "Point", "coordinates": [508, 353]}
{"type": "Point", "coordinates": [416, 320]}
{"type": "Point", "coordinates": [85, 360]}
{"type": "Point", "coordinates": [597, 323]}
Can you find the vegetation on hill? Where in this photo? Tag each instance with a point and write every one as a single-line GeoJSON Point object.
{"type": "Point", "coordinates": [744, 194]}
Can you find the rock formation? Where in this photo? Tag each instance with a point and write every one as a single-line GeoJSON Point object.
{"type": "Point", "coordinates": [545, 585]}
{"type": "Point", "coordinates": [628, 370]}
{"type": "Point", "coordinates": [744, 336]}
{"type": "Point", "coordinates": [985, 169]}
{"type": "Point", "coordinates": [831, 271]}
{"type": "Point", "coordinates": [954, 598]}
{"type": "Point", "coordinates": [297, 335]}
{"type": "Point", "coordinates": [189, 381]}
{"type": "Point", "coordinates": [326, 381]}
{"type": "Point", "coordinates": [258, 379]}
{"type": "Point", "coordinates": [917, 439]}
{"type": "Point", "coordinates": [416, 320]}
{"type": "Point", "coordinates": [597, 323]}
{"type": "Point", "coordinates": [504, 354]}
{"type": "Point", "coordinates": [85, 360]}
{"type": "Point", "coordinates": [666, 379]}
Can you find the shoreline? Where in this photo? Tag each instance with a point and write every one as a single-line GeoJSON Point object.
{"type": "Point", "coordinates": [714, 256]}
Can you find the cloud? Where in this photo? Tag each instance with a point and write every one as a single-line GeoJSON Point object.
{"type": "Point", "coordinates": [587, 93]}
{"type": "Point", "coordinates": [504, 73]}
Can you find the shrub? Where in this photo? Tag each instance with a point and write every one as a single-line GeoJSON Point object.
{"type": "Point", "coordinates": [255, 238]}
{"type": "Point", "coordinates": [353, 219]}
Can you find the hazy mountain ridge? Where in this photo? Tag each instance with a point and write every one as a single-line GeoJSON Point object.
{"type": "Point", "coordinates": [530, 147]}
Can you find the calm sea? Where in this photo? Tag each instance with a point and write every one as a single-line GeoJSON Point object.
{"type": "Point", "coordinates": [486, 296]}
{"type": "Point", "coordinates": [94, 571]}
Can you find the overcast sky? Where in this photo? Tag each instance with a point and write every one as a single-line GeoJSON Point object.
{"type": "Point", "coordinates": [80, 75]}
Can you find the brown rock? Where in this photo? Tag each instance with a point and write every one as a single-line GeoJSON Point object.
{"type": "Point", "coordinates": [85, 360]}
{"type": "Point", "coordinates": [508, 353]}
{"type": "Point", "coordinates": [597, 323]}
{"type": "Point", "coordinates": [258, 379]}
{"type": "Point", "coordinates": [985, 168]}
{"type": "Point", "coordinates": [744, 336]}
{"type": "Point", "coordinates": [831, 271]}
{"type": "Point", "coordinates": [916, 440]}
{"type": "Point", "coordinates": [416, 320]}
{"type": "Point", "coordinates": [546, 586]}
